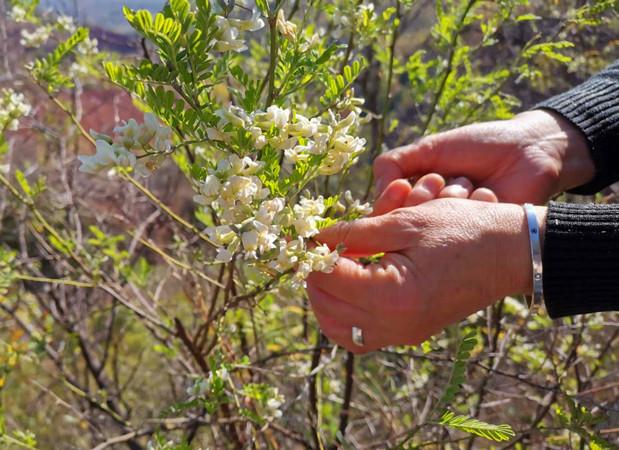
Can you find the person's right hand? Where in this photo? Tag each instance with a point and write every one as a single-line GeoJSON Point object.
{"type": "Point", "coordinates": [529, 158]}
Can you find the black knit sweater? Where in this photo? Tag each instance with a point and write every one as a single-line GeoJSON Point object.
{"type": "Point", "coordinates": [581, 248]}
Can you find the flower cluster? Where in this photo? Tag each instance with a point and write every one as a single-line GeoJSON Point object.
{"type": "Point", "coordinates": [285, 27]}
{"type": "Point", "coordinates": [151, 138]}
{"type": "Point", "coordinates": [273, 405]}
{"type": "Point", "coordinates": [202, 386]}
{"type": "Point", "coordinates": [18, 14]}
{"type": "Point", "coordinates": [254, 222]}
{"type": "Point", "coordinates": [13, 106]}
{"type": "Point", "coordinates": [88, 47]}
{"type": "Point", "coordinates": [227, 36]}
{"type": "Point", "coordinates": [363, 17]}
{"type": "Point", "coordinates": [66, 24]}
{"type": "Point", "coordinates": [37, 37]}
{"type": "Point", "coordinates": [299, 139]}
{"type": "Point", "coordinates": [259, 227]}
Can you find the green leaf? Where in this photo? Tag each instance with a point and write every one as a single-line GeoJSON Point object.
{"type": "Point", "coordinates": [468, 343]}
{"type": "Point", "coordinates": [497, 433]}
{"type": "Point", "coordinates": [46, 71]}
{"type": "Point", "coordinates": [550, 50]}
{"type": "Point", "coordinates": [23, 182]}
{"type": "Point", "coordinates": [140, 272]}
{"type": "Point", "coordinates": [527, 18]}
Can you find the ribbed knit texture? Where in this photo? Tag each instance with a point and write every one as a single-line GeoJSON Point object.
{"type": "Point", "coordinates": [581, 259]}
{"type": "Point", "coordinates": [594, 108]}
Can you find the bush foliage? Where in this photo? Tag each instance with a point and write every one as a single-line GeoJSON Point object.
{"type": "Point", "coordinates": [157, 301]}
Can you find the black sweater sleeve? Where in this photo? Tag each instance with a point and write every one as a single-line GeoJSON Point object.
{"type": "Point", "coordinates": [581, 259]}
{"type": "Point", "coordinates": [594, 108]}
{"type": "Point", "coordinates": [581, 247]}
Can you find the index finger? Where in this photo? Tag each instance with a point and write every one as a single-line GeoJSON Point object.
{"type": "Point", "coordinates": [370, 235]}
{"type": "Point", "coordinates": [362, 285]}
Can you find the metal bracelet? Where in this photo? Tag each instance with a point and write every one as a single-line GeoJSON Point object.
{"type": "Point", "coordinates": [537, 297]}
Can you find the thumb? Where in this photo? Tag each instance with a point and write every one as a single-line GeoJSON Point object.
{"type": "Point", "coordinates": [370, 235]}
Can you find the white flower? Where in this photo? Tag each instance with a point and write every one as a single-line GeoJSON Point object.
{"type": "Point", "coordinates": [216, 135]}
{"type": "Point", "coordinates": [273, 405]}
{"type": "Point", "coordinates": [18, 14]}
{"type": "Point", "coordinates": [234, 165]}
{"type": "Point", "coordinates": [304, 127]}
{"type": "Point", "coordinates": [242, 189]}
{"type": "Point", "coordinates": [306, 226]}
{"type": "Point", "coordinates": [286, 28]}
{"type": "Point", "coordinates": [88, 47]}
{"type": "Point", "coordinates": [36, 38]}
{"type": "Point", "coordinates": [322, 259]}
{"type": "Point", "coordinates": [307, 214]}
{"type": "Point", "coordinates": [254, 24]}
{"type": "Point", "coordinates": [346, 123]}
{"type": "Point", "coordinates": [269, 209]}
{"type": "Point", "coordinates": [221, 234]}
{"type": "Point", "coordinates": [77, 70]}
{"type": "Point", "coordinates": [283, 142]}
{"type": "Point", "coordinates": [260, 139]}
{"type": "Point", "coordinates": [225, 237]}
{"type": "Point", "coordinates": [128, 133]}
{"type": "Point", "coordinates": [310, 206]}
{"type": "Point", "coordinates": [296, 154]}
{"type": "Point", "coordinates": [227, 35]}
{"type": "Point", "coordinates": [223, 255]}
{"type": "Point", "coordinates": [343, 152]}
{"type": "Point", "coordinates": [261, 239]}
{"type": "Point", "coordinates": [355, 206]}
{"type": "Point", "coordinates": [234, 115]}
{"type": "Point", "coordinates": [288, 254]}
{"type": "Point", "coordinates": [152, 128]}
{"type": "Point", "coordinates": [274, 116]}
{"type": "Point", "coordinates": [151, 135]}
{"type": "Point", "coordinates": [211, 186]}
{"type": "Point", "coordinates": [13, 106]}
{"type": "Point", "coordinates": [161, 145]}
{"type": "Point", "coordinates": [106, 157]}
{"type": "Point", "coordinates": [66, 23]}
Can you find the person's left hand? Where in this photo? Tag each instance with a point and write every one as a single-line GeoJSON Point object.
{"type": "Point", "coordinates": [444, 260]}
{"type": "Point", "coordinates": [400, 193]}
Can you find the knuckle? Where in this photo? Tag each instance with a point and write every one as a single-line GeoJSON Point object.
{"type": "Point", "coordinates": [408, 220]}
{"type": "Point", "coordinates": [387, 161]}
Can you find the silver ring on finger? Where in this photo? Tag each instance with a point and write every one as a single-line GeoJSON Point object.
{"type": "Point", "coordinates": [357, 336]}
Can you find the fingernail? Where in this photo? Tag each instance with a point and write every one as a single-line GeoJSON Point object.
{"type": "Point", "coordinates": [455, 190]}
{"type": "Point", "coordinates": [422, 190]}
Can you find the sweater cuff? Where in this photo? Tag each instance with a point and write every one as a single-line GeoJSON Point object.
{"type": "Point", "coordinates": [581, 259]}
{"type": "Point", "coordinates": [593, 107]}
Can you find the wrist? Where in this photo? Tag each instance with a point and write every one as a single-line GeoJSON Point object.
{"type": "Point", "coordinates": [564, 142]}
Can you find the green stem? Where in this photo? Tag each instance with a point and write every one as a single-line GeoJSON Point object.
{"type": "Point", "coordinates": [153, 198]}
{"type": "Point", "coordinates": [274, 58]}
{"type": "Point", "coordinates": [64, 109]}
{"type": "Point", "coordinates": [55, 281]}
{"type": "Point", "coordinates": [171, 260]}
{"type": "Point", "coordinates": [449, 68]}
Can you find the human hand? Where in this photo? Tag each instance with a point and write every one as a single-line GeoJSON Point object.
{"type": "Point", "coordinates": [525, 159]}
{"type": "Point", "coordinates": [444, 260]}
{"type": "Point", "coordinates": [400, 193]}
